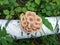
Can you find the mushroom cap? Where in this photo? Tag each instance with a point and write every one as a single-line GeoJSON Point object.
{"type": "Point", "coordinates": [38, 19]}
{"type": "Point", "coordinates": [30, 20]}
{"type": "Point", "coordinates": [29, 13]}
{"type": "Point", "coordinates": [23, 19]}
{"type": "Point", "coordinates": [22, 14]}
{"type": "Point", "coordinates": [24, 23]}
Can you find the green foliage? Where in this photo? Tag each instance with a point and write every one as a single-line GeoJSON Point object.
{"type": "Point", "coordinates": [8, 8]}
{"type": "Point", "coordinates": [32, 6]}
{"type": "Point", "coordinates": [6, 12]}
{"type": "Point", "coordinates": [24, 10]}
{"type": "Point", "coordinates": [37, 1]}
{"type": "Point", "coordinates": [5, 39]}
{"type": "Point", "coordinates": [18, 9]}
{"type": "Point", "coordinates": [57, 1]}
{"type": "Point", "coordinates": [2, 32]}
{"type": "Point", "coordinates": [4, 2]}
{"type": "Point", "coordinates": [49, 40]}
{"type": "Point", "coordinates": [47, 23]}
{"type": "Point", "coordinates": [46, 7]}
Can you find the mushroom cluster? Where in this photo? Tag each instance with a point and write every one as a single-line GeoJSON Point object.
{"type": "Point", "coordinates": [31, 22]}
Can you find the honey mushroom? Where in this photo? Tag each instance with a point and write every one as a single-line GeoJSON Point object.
{"type": "Point", "coordinates": [31, 22]}
{"type": "Point", "coordinates": [29, 13]}
{"type": "Point", "coordinates": [22, 14]}
{"type": "Point", "coordinates": [38, 19]}
{"type": "Point", "coordinates": [36, 29]}
{"type": "Point", "coordinates": [24, 23]}
{"type": "Point", "coordinates": [29, 25]}
{"type": "Point", "coordinates": [33, 29]}
{"type": "Point", "coordinates": [23, 18]}
{"type": "Point", "coordinates": [28, 28]}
